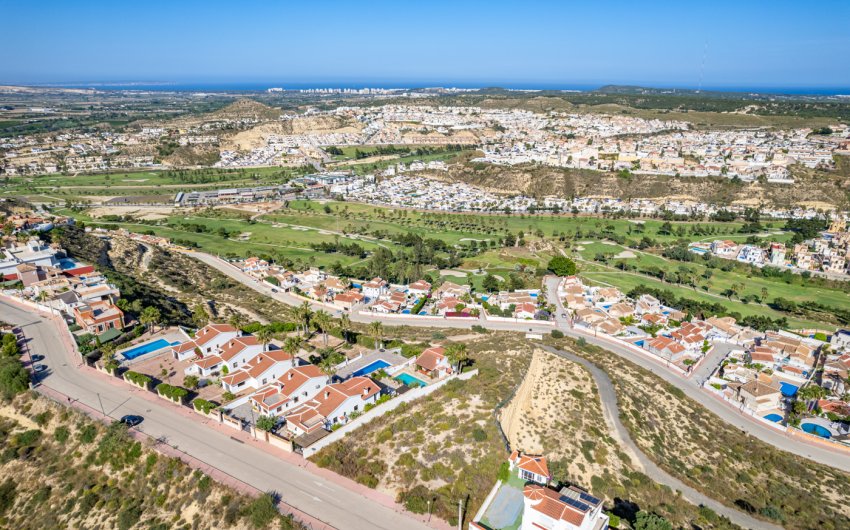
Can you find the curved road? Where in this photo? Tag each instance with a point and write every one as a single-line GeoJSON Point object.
{"type": "Point", "coordinates": [312, 493]}
{"type": "Point", "coordinates": [821, 453]}
{"type": "Point", "coordinates": [611, 412]}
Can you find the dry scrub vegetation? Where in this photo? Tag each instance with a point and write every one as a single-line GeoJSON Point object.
{"type": "Point", "coordinates": [58, 469]}
{"type": "Point", "coordinates": [447, 447]}
{"type": "Point", "coordinates": [737, 469]}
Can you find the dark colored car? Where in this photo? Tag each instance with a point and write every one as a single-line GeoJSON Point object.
{"type": "Point", "coordinates": [131, 420]}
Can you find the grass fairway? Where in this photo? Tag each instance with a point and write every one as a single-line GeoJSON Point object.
{"type": "Point", "coordinates": [720, 280]}
{"type": "Point", "coordinates": [499, 224]}
{"type": "Point", "coordinates": [626, 282]}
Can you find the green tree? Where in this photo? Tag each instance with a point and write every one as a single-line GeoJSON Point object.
{"type": "Point", "coordinates": [490, 283]}
{"type": "Point", "coordinates": [14, 379]}
{"type": "Point", "coordinates": [303, 314]}
{"type": "Point", "coordinates": [266, 423]}
{"type": "Point", "coordinates": [458, 355]}
{"type": "Point", "coordinates": [291, 345]}
{"type": "Point", "coordinates": [376, 329]}
{"type": "Point", "coordinates": [651, 521]}
{"type": "Point", "coordinates": [264, 335]}
{"type": "Point", "coordinates": [345, 326]}
{"type": "Point", "coordinates": [562, 266]}
{"type": "Point", "coordinates": [150, 317]}
{"type": "Point", "coordinates": [322, 320]}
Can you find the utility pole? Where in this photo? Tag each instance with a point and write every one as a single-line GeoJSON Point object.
{"type": "Point", "coordinates": [460, 514]}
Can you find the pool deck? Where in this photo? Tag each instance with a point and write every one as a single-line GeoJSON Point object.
{"type": "Point", "coordinates": [169, 334]}
{"type": "Point", "coordinates": [390, 357]}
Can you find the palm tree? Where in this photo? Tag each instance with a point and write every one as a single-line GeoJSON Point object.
{"type": "Point", "coordinates": [150, 317]}
{"type": "Point", "coordinates": [328, 367]}
{"type": "Point", "coordinates": [457, 354]}
{"type": "Point", "coordinates": [322, 320]}
{"type": "Point", "coordinates": [237, 320]}
{"type": "Point", "coordinates": [345, 325]}
{"type": "Point", "coordinates": [303, 313]}
{"type": "Point", "coordinates": [376, 329]}
{"type": "Point", "coordinates": [291, 345]}
{"type": "Point", "coordinates": [264, 335]}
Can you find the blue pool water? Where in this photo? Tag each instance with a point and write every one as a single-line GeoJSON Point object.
{"type": "Point", "coordinates": [788, 390]}
{"type": "Point", "coordinates": [775, 418]}
{"type": "Point", "coordinates": [405, 312]}
{"type": "Point", "coordinates": [639, 343]}
{"type": "Point", "coordinates": [409, 380]}
{"type": "Point", "coordinates": [66, 264]}
{"type": "Point", "coordinates": [148, 347]}
{"type": "Point", "coordinates": [371, 367]}
{"type": "Point", "coordinates": [814, 428]}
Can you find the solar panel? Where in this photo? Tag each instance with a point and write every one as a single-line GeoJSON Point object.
{"type": "Point", "coordinates": [575, 503]}
{"type": "Point", "coordinates": [589, 498]}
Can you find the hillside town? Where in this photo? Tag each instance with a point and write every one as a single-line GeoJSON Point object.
{"type": "Point", "coordinates": [504, 136]}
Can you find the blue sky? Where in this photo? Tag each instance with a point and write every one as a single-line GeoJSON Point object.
{"type": "Point", "coordinates": [475, 43]}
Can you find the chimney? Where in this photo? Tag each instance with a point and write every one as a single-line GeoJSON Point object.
{"type": "Point", "coordinates": [290, 376]}
{"type": "Point", "coordinates": [327, 394]}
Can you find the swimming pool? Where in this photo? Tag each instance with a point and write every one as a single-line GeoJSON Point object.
{"type": "Point", "coordinates": [410, 381]}
{"type": "Point", "coordinates": [818, 430]}
{"type": "Point", "coordinates": [788, 390]}
{"type": "Point", "coordinates": [775, 418]}
{"type": "Point", "coordinates": [371, 367]}
{"type": "Point", "coordinates": [148, 347]}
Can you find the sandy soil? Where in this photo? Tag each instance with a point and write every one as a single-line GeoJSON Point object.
{"type": "Point", "coordinates": [556, 412]}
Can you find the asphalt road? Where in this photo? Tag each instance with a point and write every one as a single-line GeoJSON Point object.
{"type": "Point", "coordinates": [325, 500]}
{"type": "Point", "coordinates": [611, 412]}
{"type": "Point", "coordinates": [822, 454]}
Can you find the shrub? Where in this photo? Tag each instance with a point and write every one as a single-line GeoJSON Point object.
{"type": "Point", "coordinates": [87, 434]}
{"type": "Point", "coordinates": [61, 434]}
{"type": "Point", "coordinates": [479, 435]}
{"type": "Point", "coordinates": [557, 334]}
{"type": "Point", "coordinates": [191, 381]}
{"type": "Point", "coordinates": [174, 393]}
{"type": "Point", "coordinates": [8, 492]}
{"type": "Point", "coordinates": [137, 378]}
{"type": "Point", "coordinates": [262, 511]}
{"type": "Point", "coordinates": [479, 329]}
{"type": "Point", "coordinates": [14, 379]}
{"type": "Point", "coordinates": [203, 405]}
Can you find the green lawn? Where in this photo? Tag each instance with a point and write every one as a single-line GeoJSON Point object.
{"type": "Point", "coordinates": [626, 282]}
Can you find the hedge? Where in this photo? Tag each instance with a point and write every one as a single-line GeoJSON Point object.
{"type": "Point", "coordinates": [137, 378]}
{"type": "Point", "coordinates": [202, 405]}
{"type": "Point", "coordinates": [174, 393]}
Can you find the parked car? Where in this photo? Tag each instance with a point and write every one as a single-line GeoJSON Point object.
{"type": "Point", "coordinates": [38, 368]}
{"type": "Point", "coordinates": [131, 420]}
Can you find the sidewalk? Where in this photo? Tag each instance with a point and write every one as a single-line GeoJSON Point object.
{"type": "Point", "coordinates": [70, 351]}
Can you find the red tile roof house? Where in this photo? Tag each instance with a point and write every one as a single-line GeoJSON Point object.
{"type": "Point", "coordinates": [332, 405]}
{"type": "Point", "coordinates": [207, 340]}
{"type": "Point", "coordinates": [263, 369]}
{"type": "Point", "coordinates": [434, 363]}
{"type": "Point", "coordinates": [666, 348]}
{"type": "Point", "coordinates": [375, 288]}
{"type": "Point", "coordinates": [525, 310]}
{"type": "Point", "coordinates": [295, 386]}
{"type": "Point", "coordinates": [239, 350]}
{"type": "Point", "coordinates": [348, 299]}
{"type": "Point", "coordinates": [568, 509]}
{"type": "Point", "coordinates": [419, 288]}
{"type": "Point", "coordinates": [531, 468]}
{"type": "Point", "coordinates": [448, 305]}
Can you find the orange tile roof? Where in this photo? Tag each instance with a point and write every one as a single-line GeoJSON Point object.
{"type": "Point", "coordinates": [430, 358]}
